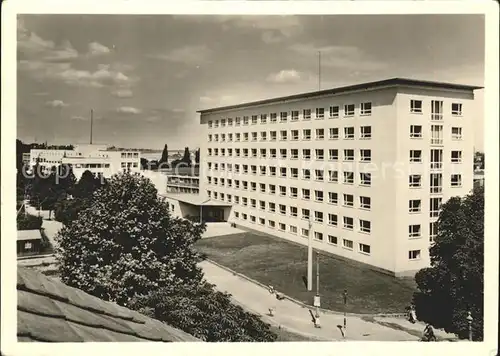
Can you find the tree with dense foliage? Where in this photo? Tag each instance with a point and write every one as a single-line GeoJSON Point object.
{"type": "Point", "coordinates": [187, 157]}
{"type": "Point", "coordinates": [164, 155]}
{"type": "Point", "coordinates": [197, 310]}
{"type": "Point", "coordinates": [197, 157]}
{"type": "Point", "coordinates": [479, 160]}
{"type": "Point", "coordinates": [144, 163]}
{"type": "Point", "coordinates": [125, 247]}
{"type": "Point", "coordinates": [454, 284]}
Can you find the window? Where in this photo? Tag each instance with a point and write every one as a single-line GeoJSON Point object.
{"type": "Point", "coordinates": [244, 201]}
{"type": "Point", "coordinates": [229, 122]}
{"type": "Point", "coordinates": [365, 155]}
{"type": "Point", "coordinates": [456, 180]}
{"type": "Point", "coordinates": [318, 236]}
{"type": "Point", "coordinates": [306, 134]}
{"type": "Point", "coordinates": [416, 106]}
{"type": "Point", "coordinates": [229, 198]}
{"type": "Point", "coordinates": [415, 205]}
{"type": "Point", "coordinates": [210, 124]}
{"type": "Point", "coordinates": [295, 115]}
{"type": "Point", "coordinates": [230, 137]}
{"type": "Point", "coordinates": [436, 134]}
{"type": "Point", "coordinates": [253, 203]}
{"type": "Point", "coordinates": [414, 255]}
{"type": "Point", "coordinates": [273, 118]}
{"type": "Point", "coordinates": [365, 226]}
{"type": "Point", "coordinates": [365, 179]}
{"type": "Point", "coordinates": [306, 154]}
{"type": "Point", "coordinates": [272, 171]}
{"type": "Point", "coordinates": [254, 119]}
{"type": "Point", "coordinates": [238, 136]}
{"type": "Point", "coordinates": [294, 172]}
{"type": "Point", "coordinates": [320, 134]}
{"type": "Point", "coordinates": [333, 154]}
{"type": "Point", "coordinates": [262, 205]}
{"type": "Point", "coordinates": [254, 153]}
{"type": "Point", "coordinates": [262, 221]}
{"type": "Point", "coordinates": [262, 187]}
{"type": "Point", "coordinates": [245, 185]}
{"type": "Point", "coordinates": [272, 189]}
{"type": "Point", "coordinates": [253, 186]}
{"type": "Point", "coordinates": [282, 191]}
{"type": "Point", "coordinates": [306, 174]}
{"type": "Point", "coordinates": [349, 133]}
{"type": "Point", "coordinates": [348, 177]}
{"type": "Point", "coordinates": [263, 153]}
{"type": "Point", "coordinates": [333, 133]}
{"type": "Point", "coordinates": [292, 229]}
{"type": "Point", "coordinates": [456, 133]}
{"type": "Point", "coordinates": [334, 112]}
{"type": "Point", "coordinates": [333, 176]}
{"type": "Point", "coordinates": [271, 223]}
{"type": "Point", "coordinates": [319, 176]}
{"type": "Point", "coordinates": [349, 155]}
{"type": "Point", "coordinates": [348, 223]}
{"type": "Point", "coordinates": [294, 153]}
{"type": "Point", "coordinates": [320, 113]}
{"type": "Point", "coordinates": [305, 214]}
{"type": "Point", "coordinates": [283, 135]}
{"type": "Point", "coordinates": [348, 244]}
{"type": "Point", "coordinates": [306, 194]}
{"type": "Point", "coordinates": [223, 122]}
{"type": "Point", "coordinates": [318, 195]}
{"type": "Point", "coordinates": [320, 154]}
{"type": "Point", "coordinates": [415, 181]}
{"type": "Point", "coordinates": [209, 151]}
{"type": "Point", "coordinates": [216, 137]}
{"type": "Point", "coordinates": [210, 138]}
{"type": "Point", "coordinates": [414, 231]}
{"type": "Point", "coordinates": [263, 118]}
{"type": "Point", "coordinates": [305, 232]}
{"type": "Point", "coordinates": [223, 137]}
{"type": "Point", "coordinates": [333, 198]}
{"type": "Point", "coordinates": [283, 116]}
{"type": "Point", "coordinates": [272, 207]}
{"type": "Point", "coordinates": [306, 114]}
{"type": "Point", "coordinates": [283, 154]}
{"type": "Point", "coordinates": [263, 171]}
{"type": "Point", "coordinates": [252, 219]}
{"type": "Point", "coordinates": [272, 152]}
{"type": "Point", "coordinates": [333, 219]}
{"type": "Point", "coordinates": [216, 124]}
{"type": "Point", "coordinates": [245, 169]}
{"type": "Point", "coordinates": [364, 248]}
{"type": "Point", "coordinates": [245, 120]}
{"type": "Point", "coordinates": [236, 199]}
{"type": "Point", "coordinates": [229, 183]}
{"type": "Point", "coordinates": [293, 211]}
{"type": "Point", "coordinates": [365, 202]}
{"type": "Point", "coordinates": [332, 240]}
{"type": "Point", "coordinates": [348, 110]}
{"type": "Point", "coordinates": [415, 156]}
{"type": "Point", "coordinates": [456, 109]}
{"type": "Point", "coordinates": [436, 180]}
{"type": "Point", "coordinates": [254, 136]}
{"type": "Point", "coordinates": [366, 108]}
{"type": "Point", "coordinates": [436, 110]}
{"type": "Point", "coordinates": [282, 209]}
{"type": "Point", "coordinates": [456, 156]}
{"type": "Point", "coordinates": [293, 192]}
{"type": "Point", "coordinates": [435, 206]}
{"type": "Point", "coordinates": [366, 132]}
{"type": "Point", "coordinates": [282, 227]}
{"type": "Point", "coordinates": [236, 214]}
{"type": "Point", "coordinates": [433, 230]}
{"type": "Point", "coordinates": [318, 216]}
{"type": "Point", "coordinates": [295, 135]}
{"type": "Point", "coordinates": [273, 135]}
{"type": "Point", "coordinates": [348, 200]}
{"type": "Point", "coordinates": [415, 131]}
{"type": "Point", "coordinates": [245, 136]}
{"type": "Point", "coordinates": [436, 159]}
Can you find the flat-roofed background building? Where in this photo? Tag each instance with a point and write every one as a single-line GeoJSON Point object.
{"type": "Point", "coordinates": [363, 169]}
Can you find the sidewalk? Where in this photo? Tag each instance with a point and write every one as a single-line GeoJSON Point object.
{"type": "Point", "coordinates": [295, 317]}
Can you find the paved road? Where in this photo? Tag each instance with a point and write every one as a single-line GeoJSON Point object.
{"type": "Point", "coordinates": [295, 317]}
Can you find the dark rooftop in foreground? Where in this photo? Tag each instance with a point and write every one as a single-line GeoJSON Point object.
{"type": "Point", "coordinates": [356, 87]}
{"type": "Point", "coordinates": [50, 311]}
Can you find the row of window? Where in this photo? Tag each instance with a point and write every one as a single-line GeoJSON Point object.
{"type": "Point", "coordinates": [365, 132]}
{"type": "Point", "coordinates": [334, 112]}
{"type": "Point", "coordinates": [129, 155]}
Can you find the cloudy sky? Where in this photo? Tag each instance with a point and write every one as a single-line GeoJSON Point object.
{"type": "Point", "coordinates": [145, 76]}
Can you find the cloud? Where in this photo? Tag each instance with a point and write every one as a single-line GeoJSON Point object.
{"type": "Point", "coordinates": [343, 57]}
{"type": "Point", "coordinates": [96, 49]}
{"type": "Point", "coordinates": [153, 118]}
{"type": "Point", "coordinates": [79, 118]}
{"type": "Point", "coordinates": [285, 76]}
{"type": "Point", "coordinates": [128, 110]}
{"type": "Point", "coordinates": [191, 55]}
{"type": "Point", "coordinates": [122, 93]}
{"type": "Point", "coordinates": [56, 104]}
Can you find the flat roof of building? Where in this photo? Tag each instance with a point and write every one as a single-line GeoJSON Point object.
{"type": "Point", "coordinates": [194, 199]}
{"type": "Point", "coordinates": [356, 87]}
{"type": "Point", "coordinates": [26, 235]}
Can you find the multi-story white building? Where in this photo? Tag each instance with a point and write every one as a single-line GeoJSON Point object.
{"type": "Point", "coordinates": [94, 158]}
{"type": "Point", "coordinates": [363, 169]}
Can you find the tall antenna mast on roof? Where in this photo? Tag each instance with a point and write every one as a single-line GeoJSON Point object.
{"type": "Point", "coordinates": [319, 70]}
{"type": "Point", "coordinates": [91, 123]}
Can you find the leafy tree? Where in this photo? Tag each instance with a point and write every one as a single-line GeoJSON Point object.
{"type": "Point", "coordinates": [28, 222]}
{"type": "Point", "coordinates": [197, 157]}
{"type": "Point", "coordinates": [87, 185]}
{"type": "Point", "coordinates": [454, 283]}
{"type": "Point", "coordinates": [144, 163]}
{"type": "Point", "coordinates": [202, 311]}
{"type": "Point", "coordinates": [67, 210]}
{"type": "Point", "coordinates": [125, 247]}
{"type": "Point", "coordinates": [164, 155]}
{"type": "Point", "coordinates": [479, 160]}
{"type": "Point", "coordinates": [187, 157]}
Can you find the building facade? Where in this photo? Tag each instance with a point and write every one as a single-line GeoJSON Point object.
{"type": "Point", "coordinates": [363, 170]}
{"type": "Point", "coordinates": [98, 159]}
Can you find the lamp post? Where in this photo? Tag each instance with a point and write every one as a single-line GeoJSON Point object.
{"type": "Point", "coordinates": [345, 310]}
{"type": "Point", "coordinates": [309, 257]}
{"type": "Point", "coordinates": [469, 321]}
{"type": "Point", "coordinates": [317, 302]}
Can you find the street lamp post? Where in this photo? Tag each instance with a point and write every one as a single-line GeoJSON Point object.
{"type": "Point", "coordinates": [469, 321]}
{"type": "Point", "coordinates": [345, 310]}
{"type": "Point", "coordinates": [309, 257]}
{"type": "Point", "coordinates": [317, 299]}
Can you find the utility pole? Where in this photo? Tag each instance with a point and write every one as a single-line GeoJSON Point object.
{"type": "Point", "coordinates": [345, 312]}
{"type": "Point", "coordinates": [309, 257]}
{"type": "Point", "coordinates": [317, 302]}
{"type": "Point", "coordinates": [91, 123]}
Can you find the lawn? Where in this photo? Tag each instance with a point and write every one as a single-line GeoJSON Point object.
{"type": "Point", "coordinates": [276, 262]}
{"type": "Point", "coordinates": [286, 336]}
